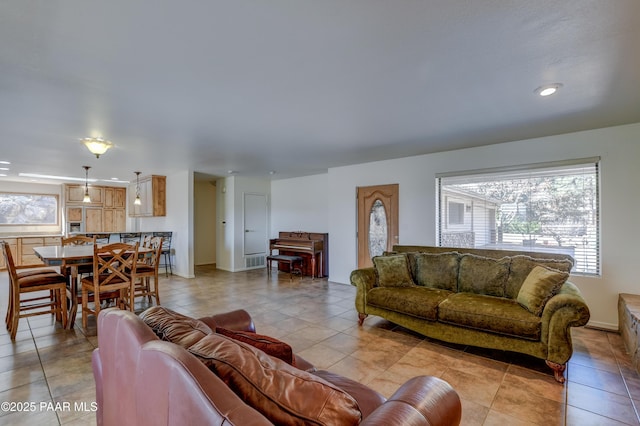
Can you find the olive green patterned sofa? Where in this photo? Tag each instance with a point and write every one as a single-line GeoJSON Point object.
{"type": "Point", "coordinates": [508, 300]}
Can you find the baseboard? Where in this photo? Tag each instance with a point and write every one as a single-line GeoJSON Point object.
{"type": "Point", "coordinates": [603, 326]}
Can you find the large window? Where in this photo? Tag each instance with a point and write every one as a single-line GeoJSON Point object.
{"type": "Point", "coordinates": [550, 207]}
{"type": "Point", "coordinates": [28, 209]}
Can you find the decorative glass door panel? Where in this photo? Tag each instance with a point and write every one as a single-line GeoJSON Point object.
{"type": "Point", "coordinates": [377, 221]}
{"type": "Point", "coordinates": [378, 229]}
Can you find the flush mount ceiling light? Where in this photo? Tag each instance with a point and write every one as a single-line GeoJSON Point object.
{"type": "Point", "coordinates": [137, 201]}
{"type": "Point", "coordinates": [97, 146]}
{"type": "Point", "coordinates": [87, 198]}
{"type": "Point", "coordinates": [547, 89]}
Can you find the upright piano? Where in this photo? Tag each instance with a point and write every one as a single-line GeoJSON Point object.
{"type": "Point", "coordinates": [313, 247]}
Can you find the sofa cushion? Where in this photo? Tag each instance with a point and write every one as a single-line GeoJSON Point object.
{"type": "Point", "coordinates": [488, 313]}
{"type": "Point", "coordinates": [521, 266]}
{"type": "Point", "coordinates": [436, 270]}
{"type": "Point", "coordinates": [368, 399]}
{"type": "Point", "coordinates": [282, 393]}
{"type": "Point", "coordinates": [393, 271]}
{"type": "Point", "coordinates": [540, 286]}
{"type": "Point", "coordinates": [483, 275]}
{"type": "Point", "coordinates": [269, 345]}
{"type": "Point", "coordinates": [421, 302]}
{"type": "Point", "coordinates": [174, 327]}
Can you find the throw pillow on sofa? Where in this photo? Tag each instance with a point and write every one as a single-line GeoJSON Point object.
{"type": "Point", "coordinates": [393, 271]}
{"type": "Point", "coordinates": [437, 270]}
{"type": "Point", "coordinates": [521, 266]}
{"type": "Point", "coordinates": [540, 286]}
{"type": "Point", "coordinates": [282, 393]}
{"type": "Point", "coordinates": [483, 275]}
{"type": "Point", "coordinates": [267, 344]}
{"type": "Point", "coordinates": [174, 327]}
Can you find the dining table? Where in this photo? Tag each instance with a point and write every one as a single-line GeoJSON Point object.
{"type": "Point", "coordinates": [73, 256]}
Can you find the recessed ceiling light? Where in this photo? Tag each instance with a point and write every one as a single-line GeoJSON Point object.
{"type": "Point", "coordinates": [2, 175]}
{"type": "Point", "coordinates": [5, 162]}
{"type": "Point", "coordinates": [547, 89]}
{"type": "Point", "coordinates": [4, 168]}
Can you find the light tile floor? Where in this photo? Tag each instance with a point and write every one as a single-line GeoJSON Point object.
{"type": "Point", "coordinates": [46, 373]}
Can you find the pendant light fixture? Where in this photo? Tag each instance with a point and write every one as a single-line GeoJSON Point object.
{"type": "Point", "coordinates": [137, 201]}
{"type": "Point", "coordinates": [87, 198]}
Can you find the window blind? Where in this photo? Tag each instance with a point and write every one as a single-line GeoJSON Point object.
{"type": "Point", "coordinates": [544, 207]}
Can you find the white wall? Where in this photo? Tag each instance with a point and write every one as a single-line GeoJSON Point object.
{"type": "Point", "coordinates": [618, 147]}
{"type": "Point", "coordinates": [179, 220]}
{"type": "Point", "coordinates": [230, 202]}
{"type": "Point", "coordinates": [300, 204]}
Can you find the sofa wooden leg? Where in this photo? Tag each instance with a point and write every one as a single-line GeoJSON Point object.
{"type": "Point", "coordinates": [361, 318]}
{"type": "Point", "coordinates": [558, 370]}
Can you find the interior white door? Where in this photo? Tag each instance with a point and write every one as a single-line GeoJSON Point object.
{"type": "Point", "coordinates": [255, 224]}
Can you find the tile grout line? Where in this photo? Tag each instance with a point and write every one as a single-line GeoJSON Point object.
{"type": "Point", "coordinates": [46, 379]}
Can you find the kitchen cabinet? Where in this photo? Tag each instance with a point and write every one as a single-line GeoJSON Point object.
{"type": "Point", "coordinates": [115, 198]}
{"type": "Point", "coordinates": [13, 246]}
{"type": "Point", "coordinates": [26, 245]}
{"type": "Point", "coordinates": [105, 213]}
{"type": "Point", "coordinates": [93, 219]}
{"type": "Point", "coordinates": [75, 194]}
{"type": "Point", "coordinates": [153, 197]}
{"type": "Point", "coordinates": [22, 249]}
{"type": "Point", "coordinates": [114, 220]}
{"type": "Point", "coordinates": [74, 214]}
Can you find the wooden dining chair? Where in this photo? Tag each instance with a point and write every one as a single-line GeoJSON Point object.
{"type": "Point", "coordinates": [48, 289]}
{"type": "Point", "coordinates": [114, 275]}
{"type": "Point", "coordinates": [81, 269]}
{"type": "Point", "coordinates": [147, 270]}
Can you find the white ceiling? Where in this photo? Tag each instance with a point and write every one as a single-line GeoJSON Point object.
{"type": "Point", "coordinates": [298, 86]}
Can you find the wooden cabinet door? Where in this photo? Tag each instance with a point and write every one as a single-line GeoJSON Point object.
{"type": "Point", "coordinates": [120, 220]}
{"type": "Point", "coordinates": [97, 194]}
{"type": "Point", "coordinates": [75, 193]}
{"type": "Point", "coordinates": [74, 214]}
{"type": "Point", "coordinates": [119, 198]}
{"type": "Point", "coordinates": [109, 198]}
{"type": "Point", "coordinates": [27, 255]}
{"type": "Point", "coordinates": [93, 220]}
{"type": "Point", "coordinates": [159, 191]}
{"type": "Point", "coordinates": [108, 224]}
{"type": "Point", "coordinates": [114, 220]}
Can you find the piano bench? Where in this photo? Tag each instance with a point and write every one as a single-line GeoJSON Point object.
{"type": "Point", "coordinates": [291, 260]}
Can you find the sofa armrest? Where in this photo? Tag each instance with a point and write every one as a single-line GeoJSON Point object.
{"type": "Point", "coordinates": [364, 280]}
{"type": "Point", "coordinates": [564, 310]}
{"type": "Point", "coordinates": [422, 400]}
{"type": "Point", "coordinates": [238, 320]}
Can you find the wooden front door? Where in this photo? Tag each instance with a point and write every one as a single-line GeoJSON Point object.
{"type": "Point", "coordinates": [377, 221]}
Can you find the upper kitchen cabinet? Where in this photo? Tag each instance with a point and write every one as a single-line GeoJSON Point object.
{"type": "Point", "coordinates": [153, 197]}
{"type": "Point", "coordinates": [75, 194]}
{"type": "Point", "coordinates": [115, 198]}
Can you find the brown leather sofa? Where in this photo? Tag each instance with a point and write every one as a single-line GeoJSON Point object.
{"type": "Point", "coordinates": [143, 380]}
